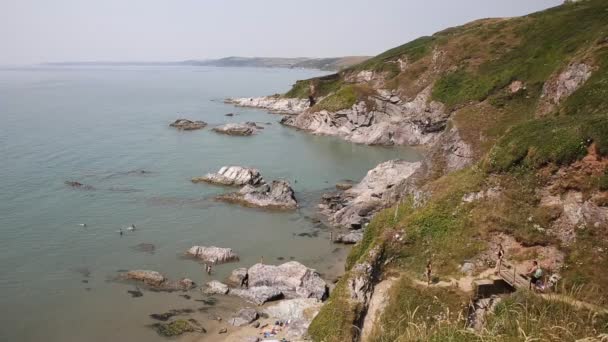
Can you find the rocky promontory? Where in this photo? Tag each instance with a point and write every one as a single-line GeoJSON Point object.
{"type": "Point", "coordinates": [274, 104]}
{"type": "Point", "coordinates": [156, 281]}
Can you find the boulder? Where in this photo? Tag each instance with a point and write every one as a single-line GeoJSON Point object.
{"type": "Point", "coordinates": [344, 185]}
{"type": "Point", "coordinates": [215, 255]}
{"type": "Point", "coordinates": [236, 277]}
{"type": "Point", "coordinates": [157, 281]}
{"type": "Point", "coordinates": [177, 327]}
{"type": "Point", "coordinates": [258, 294]}
{"type": "Point", "coordinates": [292, 279]}
{"type": "Point", "coordinates": [244, 317]}
{"type": "Point", "coordinates": [233, 175]}
{"type": "Point", "coordinates": [350, 238]}
{"type": "Point", "coordinates": [188, 125]}
{"type": "Point", "coordinates": [150, 278]}
{"type": "Point", "coordinates": [278, 195]}
{"type": "Point", "coordinates": [215, 287]}
{"type": "Point", "coordinates": [295, 309]}
{"type": "Point", "coordinates": [239, 129]}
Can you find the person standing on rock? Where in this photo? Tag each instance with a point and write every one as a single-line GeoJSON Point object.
{"type": "Point", "coordinates": [429, 272]}
{"type": "Point", "coordinates": [245, 281]}
{"type": "Point", "coordinates": [499, 256]}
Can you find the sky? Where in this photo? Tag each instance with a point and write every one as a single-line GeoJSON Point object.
{"type": "Point", "coordinates": [35, 31]}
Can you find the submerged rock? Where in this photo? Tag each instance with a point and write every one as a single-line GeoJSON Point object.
{"type": "Point", "coordinates": [233, 175]}
{"type": "Point", "coordinates": [238, 129]}
{"type": "Point", "coordinates": [188, 125]}
{"type": "Point", "coordinates": [144, 247]}
{"type": "Point", "coordinates": [278, 195]}
{"type": "Point", "coordinates": [166, 315]}
{"type": "Point", "coordinates": [177, 328]}
{"type": "Point", "coordinates": [78, 185]}
{"type": "Point", "coordinates": [156, 281]}
{"type": "Point", "coordinates": [244, 317]}
{"type": "Point", "coordinates": [215, 255]}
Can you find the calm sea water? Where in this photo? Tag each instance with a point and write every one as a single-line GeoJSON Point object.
{"type": "Point", "coordinates": [94, 125]}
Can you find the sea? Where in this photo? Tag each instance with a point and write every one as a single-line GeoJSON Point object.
{"type": "Point", "coordinates": [107, 127]}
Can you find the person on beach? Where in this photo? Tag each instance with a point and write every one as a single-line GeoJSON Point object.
{"type": "Point", "coordinates": [245, 281]}
{"type": "Point", "coordinates": [429, 272]}
{"type": "Point", "coordinates": [535, 273]}
{"type": "Point", "coordinates": [499, 257]}
{"type": "Point", "coordinates": [208, 269]}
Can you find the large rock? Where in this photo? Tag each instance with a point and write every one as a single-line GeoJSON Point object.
{"type": "Point", "coordinates": [275, 104]}
{"type": "Point", "coordinates": [236, 277]}
{"type": "Point", "coordinates": [355, 206]}
{"type": "Point", "coordinates": [215, 287]}
{"type": "Point", "coordinates": [240, 129]}
{"type": "Point", "coordinates": [233, 175]}
{"type": "Point", "coordinates": [295, 309]}
{"type": "Point", "coordinates": [293, 279]}
{"type": "Point", "coordinates": [215, 255]}
{"type": "Point", "coordinates": [258, 294]}
{"type": "Point", "coordinates": [350, 237]}
{"type": "Point", "coordinates": [188, 125]}
{"type": "Point", "coordinates": [388, 121]}
{"type": "Point", "coordinates": [156, 281]}
{"type": "Point", "coordinates": [278, 195]}
{"type": "Point", "coordinates": [244, 317]}
{"type": "Point", "coordinates": [562, 85]}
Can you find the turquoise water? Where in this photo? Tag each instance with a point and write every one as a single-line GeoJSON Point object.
{"type": "Point", "coordinates": [94, 125]}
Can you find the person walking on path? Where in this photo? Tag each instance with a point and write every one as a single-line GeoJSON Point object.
{"type": "Point", "coordinates": [429, 272]}
{"type": "Point", "coordinates": [535, 273]}
{"type": "Point", "coordinates": [499, 257]}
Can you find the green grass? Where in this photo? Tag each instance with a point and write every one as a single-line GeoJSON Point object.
{"type": "Point", "coordinates": [413, 51]}
{"type": "Point", "coordinates": [344, 98]}
{"type": "Point", "coordinates": [335, 321]}
{"type": "Point", "coordinates": [558, 140]}
{"type": "Point", "coordinates": [324, 85]}
{"type": "Point", "coordinates": [416, 314]}
{"type": "Point", "coordinates": [549, 39]}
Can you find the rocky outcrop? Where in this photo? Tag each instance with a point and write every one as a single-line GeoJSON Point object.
{"type": "Point", "coordinates": [233, 175]}
{"type": "Point", "coordinates": [258, 294]}
{"type": "Point", "coordinates": [215, 287]}
{"type": "Point", "coordinates": [293, 279]}
{"type": "Point", "coordinates": [274, 104]}
{"type": "Point", "coordinates": [350, 237]}
{"type": "Point", "coordinates": [269, 282]}
{"type": "Point", "coordinates": [295, 309]}
{"type": "Point", "coordinates": [188, 125]}
{"type": "Point", "coordinates": [278, 195]}
{"type": "Point", "coordinates": [387, 120]}
{"type": "Point", "coordinates": [215, 255]}
{"type": "Point", "coordinates": [236, 277]}
{"type": "Point", "coordinates": [244, 317]}
{"type": "Point", "coordinates": [156, 281]}
{"type": "Point", "coordinates": [355, 206]}
{"type": "Point", "coordinates": [239, 129]}
{"type": "Point", "coordinates": [563, 85]}
{"type": "Point", "coordinates": [378, 302]}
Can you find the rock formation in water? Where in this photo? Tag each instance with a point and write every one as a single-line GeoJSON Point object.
{"type": "Point", "coordinates": [156, 281]}
{"type": "Point", "coordinates": [238, 129]}
{"type": "Point", "coordinates": [233, 175]}
{"type": "Point", "coordinates": [214, 255]}
{"type": "Point", "coordinates": [277, 195]}
{"type": "Point", "coordinates": [188, 125]}
{"type": "Point", "coordinates": [274, 104]}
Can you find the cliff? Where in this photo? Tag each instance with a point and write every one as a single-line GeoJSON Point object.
{"type": "Point", "coordinates": [513, 114]}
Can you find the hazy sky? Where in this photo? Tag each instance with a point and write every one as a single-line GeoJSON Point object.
{"type": "Point", "coordinates": [33, 31]}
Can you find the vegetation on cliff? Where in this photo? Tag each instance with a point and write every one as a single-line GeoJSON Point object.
{"type": "Point", "coordinates": [530, 96]}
